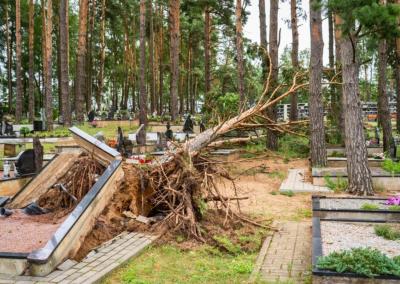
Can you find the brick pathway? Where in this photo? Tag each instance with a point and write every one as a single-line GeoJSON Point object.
{"type": "Point", "coordinates": [97, 264]}
{"type": "Point", "coordinates": [295, 182]}
{"type": "Point", "coordinates": [287, 255]}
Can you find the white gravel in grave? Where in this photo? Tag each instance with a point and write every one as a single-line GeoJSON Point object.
{"type": "Point", "coordinates": [337, 236]}
{"type": "Point", "coordinates": [350, 203]}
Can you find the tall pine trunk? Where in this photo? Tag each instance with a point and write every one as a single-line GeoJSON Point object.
{"type": "Point", "coordinates": [272, 137]}
{"type": "Point", "coordinates": [47, 7]}
{"type": "Point", "coordinates": [100, 79]}
{"type": "Point", "coordinates": [239, 54]}
{"type": "Point", "coordinates": [89, 57]}
{"type": "Point", "coordinates": [153, 102]}
{"type": "Point", "coordinates": [263, 37]}
{"type": "Point", "coordinates": [64, 62]}
{"type": "Point", "coordinates": [18, 71]}
{"type": "Point", "coordinates": [160, 63]}
{"type": "Point", "coordinates": [174, 17]}
{"type": "Point", "coordinates": [207, 56]}
{"type": "Point", "coordinates": [384, 117]}
{"type": "Point", "coordinates": [316, 106]}
{"type": "Point", "coordinates": [359, 174]}
{"type": "Point", "coordinates": [9, 59]}
{"type": "Point", "coordinates": [142, 79]}
{"type": "Point", "coordinates": [397, 79]}
{"type": "Point", "coordinates": [31, 84]}
{"type": "Point", "coordinates": [80, 79]}
{"type": "Point", "coordinates": [295, 55]}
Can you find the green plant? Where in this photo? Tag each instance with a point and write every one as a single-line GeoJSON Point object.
{"type": "Point", "coordinates": [227, 245]}
{"type": "Point", "coordinates": [369, 206]}
{"type": "Point", "coordinates": [293, 147]}
{"type": "Point", "coordinates": [387, 232]}
{"type": "Point", "coordinates": [288, 193]}
{"type": "Point", "coordinates": [338, 185]}
{"type": "Point", "coordinates": [394, 208]}
{"type": "Point", "coordinates": [24, 131]}
{"type": "Point", "coordinates": [391, 166]}
{"type": "Point", "coordinates": [364, 261]}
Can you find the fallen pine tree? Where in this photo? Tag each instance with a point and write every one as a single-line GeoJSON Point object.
{"type": "Point", "coordinates": [180, 186]}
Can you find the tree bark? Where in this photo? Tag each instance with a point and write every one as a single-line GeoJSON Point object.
{"type": "Point", "coordinates": [272, 137]}
{"type": "Point", "coordinates": [47, 62]}
{"type": "Point", "coordinates": [263, 37]}
{"type": "Point", "coordinates": [295, 56]}
{"type": "Point", "coordinates": [9, 59]}
{"type": "Point", "coordinates": [153, 102]}
{"type": "Point", "coordinates": [102, 55]}
{"type": "Point", "coordinates": [80, 79]}
{"type": "Point", "coordinates": [31, 87]}
{"type": "Point", "coordinates": [89, 57]}
{"type": "Point", "coordinates": [397, 78]}
{"type": "Point", "coordinates": [18, 108]}
{"type": "Point", "coordinates": [142, 81]}
{"type": "Point", "coordinates": [161, 67]}
{"type": "Point", "coordinates": [384, 117]}
{"type": "Point", "coordinates": [316, 106]}
{"type": "Point", "coordinates": [239, 54]}
{"type": "Point", "coordinates": [64, 62]}
{"type": "Point", "coordinates": [174, 16]}
{"type": "Point", "coordinates": [207, 56]}
{"type": "Point", "coordinates": [359, 175]}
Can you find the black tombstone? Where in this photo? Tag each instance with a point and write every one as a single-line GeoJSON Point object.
{"type": "Point", "coordinates": [91, 116]}
{"type": "Point", "coordinates": [25, 164]}
{"type": "Point", "coordinates": [169, 134]}
{"type": "Point", "coordinates": [377, 136]}
{"type": "Point", "coordinates": [188, 125]}
{"type": "Point", "coordinates": [202, 127]}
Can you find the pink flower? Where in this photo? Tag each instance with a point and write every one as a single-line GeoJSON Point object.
{"type": "Point", "coordinates": [395, 200]}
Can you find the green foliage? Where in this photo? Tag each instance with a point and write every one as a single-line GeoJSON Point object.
{"type": "Point", "coordinates": [288, 193]}
{"type": "Point", "coordinates": [337, 154]}
{"type": "Point", "coordinates": [394, 208]}
{"type": "Point", "coordinates": [391, 166]}
{"type": "Point", "coordinates": [369, 206]}
{"type": "Point", "coordinates": [364, 261]}
{"type": "Point", "coordinates": [388, 232]}
{"type": "Point", "coordinates": [338, 185]}
{"type": "Point", "coordinates": [227, 105]}
{"type": "Point", "coordinates": [294, 147]}
{"type": "Point", "coordinates": [24, 131]}
{"type": "Point", "coordinates": [226, 244]}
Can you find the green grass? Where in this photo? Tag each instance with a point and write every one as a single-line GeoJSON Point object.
{"type": "Point", "coordinates": [291, 147]}
{"type": "Point", "coordinates": [394, 208]}
{"type": "Point", "coordinates": [369, 206]}
{"type": "Point", "coordinates": [338, 185]}
{"type": "Point", "coordinates": [288, 193]}
{"type": "Point", "coordinates": [387, 232]}
{"type": "Point", "coordinates": [169, 264]}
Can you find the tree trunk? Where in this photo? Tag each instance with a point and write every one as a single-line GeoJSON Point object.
{"type": "Point", "coordinates": [151, 59]}
{"type": "Point", "coordinates": [9, 60]}
{"type": "Point", "coordinates": [89, 60]}
{"type": "Point", "coordinates": [31, 88]}
{"type": "Point", "coordinates": [174, 16]}
{"type": "Point", "coordinates": [272, 137]}
{"type": "Point", "coordinates": [359, 175]}
{"type": "Point", "coordinates": [316, 106]}
{"type": "Point", "coordinates": [384, 117]}
{"type": "Point", "coordinates": [295, 55]}
{"type": "Point", "coordinates": [161, 67]}
{"type": "Point", "coordinates": [64, 62]}
{"type": "Point", "coordinates": [397, 77]}
{"type": "Point", "coordinates": [100, 79]}
{"type": "Point", "coordinates": [18, 108]}
{"type": "Point", "coordinates": [80, 79]}
{"type": "Point", "coordinates": [337, 104]}
{"type": "Point", "coordinates": [142, 80]}
{"type": "Point", "coordinates": [47, 62]}
{"type": "Point", "coordinates": [263, 37]}
{"type": "Point", "coordinates": [207, 56]}
{"type": "Point", "coordinates": [239, 54]}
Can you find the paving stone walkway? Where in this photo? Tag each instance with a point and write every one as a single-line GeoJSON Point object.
{"type": "Point", "coordinates": [97, 264]}
{"type": "Point", "coordinates": [295, 182]}
{"type": "Point", "coordinates": [286, 255]}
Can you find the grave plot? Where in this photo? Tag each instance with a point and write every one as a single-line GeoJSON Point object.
{"type": "Point", "coordinates": [52, 214]}
{"type": "Point", "coordinates": [380, 178]}
{"type": "Point", "coordinates": [355, 252]}
{"type": "Point", "coordinates": [339, 162]}
{"type": "Point", "coordinates": [335, 150]}
{"type": "Point", "coordinates": [354, 208]}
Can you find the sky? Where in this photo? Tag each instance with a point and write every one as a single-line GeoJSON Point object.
{"type": "Point", "coordinates": [252, 27]}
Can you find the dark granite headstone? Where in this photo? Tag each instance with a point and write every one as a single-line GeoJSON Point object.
{"type": "Point", "coordinates": [9, 129]}
{"type": "Point", "coordinates": [91, 115]}
{"type": "Point", "coordinates": [188, 125]}
{"type": "Point", "coordinates": [120, 141]}
{"type": "Point", "coordinates": [377, 136]}
{"type": "Point", "coordinates": [202, 127]}
{"type": "Point", "coordinates": [169, 134]}
{"type": "Point", "coordinates": [26, 163]}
